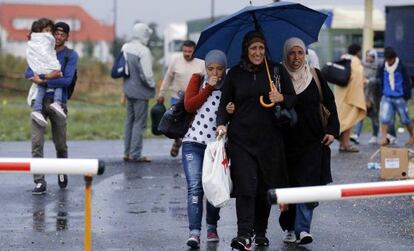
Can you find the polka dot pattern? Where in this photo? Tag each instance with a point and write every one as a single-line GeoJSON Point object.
{"type": "Point", "coordinates": [203, 127]}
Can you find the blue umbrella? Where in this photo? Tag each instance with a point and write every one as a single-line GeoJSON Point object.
{"type": "Point", "coordinates": [277, 21]}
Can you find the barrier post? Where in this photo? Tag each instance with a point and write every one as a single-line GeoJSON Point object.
{"type": "Point", "coordinates": [88, 220]}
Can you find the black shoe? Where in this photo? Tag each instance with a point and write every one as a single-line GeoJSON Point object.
{"type": "Point", "coordinates": [62, 180]}
{"type": "Point", "coordinates": [40, 188]}
{"type": "Point", "coordinates": [242, 243]}
{"type": "Point", "coordinates": [261, 241]}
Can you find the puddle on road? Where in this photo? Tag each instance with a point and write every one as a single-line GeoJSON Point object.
{"type": "Point", "coordinates": [138, 212]}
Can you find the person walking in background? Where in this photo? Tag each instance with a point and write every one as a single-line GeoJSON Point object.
{"type": "Point", "coordinates": [255, 142]}
{"type": "Point", "coordinates": [177, 77]}
{"type": "Point", "coordinates": [395, 87]}
{"type": "Point", "coordinates": [308, 154]}
{"type": "Point", "coordinates": [350, 100]}
{"type": "Point", "coordinates": [68, 60]}
{"type": "Point", "coordinates": [312, 58]}
{"type": "Point", "coordinates": [202, 98]}
{"type": "Point", "coordinates": [41, 58]}
{"type": "Point", "coordinates": [138, 89]}
{"type": "Point", "coordinates": [372, 97]}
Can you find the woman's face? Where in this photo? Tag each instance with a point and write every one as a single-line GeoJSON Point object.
{"type": "Point", "coordinates": [215, 70]}
{"type": "Point", "coordinates": [296, 57]}
{"type": "Point", "coordinates": [256, 53]}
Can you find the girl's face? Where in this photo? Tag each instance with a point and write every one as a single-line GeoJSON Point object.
{"type": "Point", "coordinates": [296, 57]}
{"type": "Point", "coordinates": [215, 70]}
{"type": "Point", "coordinates": [48, 29]}
{"type": "Point", "coordinates": [256, 53]}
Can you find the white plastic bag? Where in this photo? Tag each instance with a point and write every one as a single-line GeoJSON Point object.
{"type": "Point", "coordinates": [217, 184]}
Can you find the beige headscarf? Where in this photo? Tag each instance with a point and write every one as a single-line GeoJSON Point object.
{"type": "Point", "coordinates": [302, 77]}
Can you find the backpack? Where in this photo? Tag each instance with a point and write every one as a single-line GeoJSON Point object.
{"type": "Point", "coordinates": [72, 85]}
{"type": "Point", "coordinates": [120, 67]}
{"type": "Point", "coordinates": [338, 72]}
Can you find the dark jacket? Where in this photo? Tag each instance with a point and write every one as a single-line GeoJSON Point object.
{"type": "Point", "coordinates": [407, 85]}
{"type": "Point", "coordinates": [255, 142]}
{"type": "Point", "coordinates": [308, 160]}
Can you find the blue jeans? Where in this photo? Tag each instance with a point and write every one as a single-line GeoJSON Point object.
{"type": "Point", "coordinates": [390, 106]}
{"type": "Point", "coordinates": [41, 92]}
{"type": "Point", "coordinates": [303, 219]}
{"type": "Point", "coordinates": [375, 128]}
{"type": "Point", "coordinates": [192, 156]}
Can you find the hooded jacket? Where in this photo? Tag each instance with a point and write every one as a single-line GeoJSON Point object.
{"type": "Point", "coordinates": [140, 84]}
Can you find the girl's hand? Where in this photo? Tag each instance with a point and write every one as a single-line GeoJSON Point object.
{"type": "Point", "coordinates": [213, 80]}
{"type": "Point", "coordinates": [221, 130]}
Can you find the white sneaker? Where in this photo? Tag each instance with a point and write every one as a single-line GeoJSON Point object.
{"type": "Point", "coordinates": [304, 238]}
{"type": "Point", "coordinates": [354, 138]}
{"type": "Point", "coordinates": [58, 109]}
{"type": "Point", "coordinates": [290, 237]}
{"type": "Point", "coordinates": [391, 139]}
{"type": "Point", "coordinates": [38, 118]}
{"type": "Point", "coordinates": [373, 140]}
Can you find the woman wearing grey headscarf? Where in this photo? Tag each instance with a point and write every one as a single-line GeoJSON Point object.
{"type": "Point", "coordinates": [202, 98]}
{"type": "Point", "coordinates": [372, 97]}
{"type": "Point", "coordinates": [308, 154]}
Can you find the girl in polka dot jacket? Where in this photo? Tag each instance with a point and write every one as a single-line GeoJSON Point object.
{"type": "Point", "coordinates": [202, 98]}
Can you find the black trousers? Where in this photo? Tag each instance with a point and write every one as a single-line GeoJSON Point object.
{"type": "Point", "coordinates": [253, 212]}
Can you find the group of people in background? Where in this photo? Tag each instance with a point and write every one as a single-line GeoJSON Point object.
{"type": "Point", "coordinates": [378, 90]}
{"type": "Point", "coordinates": [264, 153]}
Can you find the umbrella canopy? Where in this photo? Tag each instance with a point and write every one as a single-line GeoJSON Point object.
{"type": "Point", "coordinates": [277, 21]}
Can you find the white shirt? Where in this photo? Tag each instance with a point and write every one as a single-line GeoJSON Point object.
{"type": "Point", "coordinates": [179, 74]}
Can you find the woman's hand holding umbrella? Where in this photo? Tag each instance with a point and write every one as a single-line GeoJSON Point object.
{"type": "Point", "coordinates": [275, 96]}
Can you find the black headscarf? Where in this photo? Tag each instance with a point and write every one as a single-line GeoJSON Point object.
{"type": "Point", "coordinates": [250, 38]}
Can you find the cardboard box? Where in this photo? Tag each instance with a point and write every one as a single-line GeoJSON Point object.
{"type": "Point", "coordinates": [394, 163]}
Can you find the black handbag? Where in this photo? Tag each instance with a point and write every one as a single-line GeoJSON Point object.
{"type": "Point", "coordinates": [175, 121]}
{"type": "Point", "coordinates": [284, 117]}
{"type": "Point", "coordinates": [157, 111]}
{"type": "Point", "coordinates": [338, 72]}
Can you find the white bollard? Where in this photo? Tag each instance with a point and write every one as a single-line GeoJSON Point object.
{"type": "Point", "coordinates": [52, 166]}
{"type": "Point", "coordinates": [340, 192]}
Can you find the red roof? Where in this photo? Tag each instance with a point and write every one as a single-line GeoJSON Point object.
{"type": "Point", "coordinates": [90, 29]}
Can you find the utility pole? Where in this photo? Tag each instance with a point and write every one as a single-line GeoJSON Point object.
{"type": "Point", "coordinates": [115, 17]}
{"type": "Point", "coordinates": [368, 34]}
{"type": "Point", "coordinates": [114, 43]}
{"type": "Point", "coordinates": [212, 11]}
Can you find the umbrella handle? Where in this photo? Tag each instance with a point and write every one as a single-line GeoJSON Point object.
{"type": "Point", "coordinates": [271, 85]}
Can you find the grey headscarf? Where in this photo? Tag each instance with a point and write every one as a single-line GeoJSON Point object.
{"type": "Point", "coordinates": [216, 57]}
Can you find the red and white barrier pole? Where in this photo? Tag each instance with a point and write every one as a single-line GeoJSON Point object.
{"type": "Point", "coordinates": [52, 166]}
{"type": "Point", "coordinates": [86, 167]}
{"type": "Point", "coordinates": [340, 192]}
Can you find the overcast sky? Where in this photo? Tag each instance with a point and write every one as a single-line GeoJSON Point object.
{"type": "Point", "coordinates": [168, 11]}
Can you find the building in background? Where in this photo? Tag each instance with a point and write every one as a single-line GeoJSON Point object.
{"type": "Point", "coordinates": [399, 33]}
{"type": "Point", "coordinates": [88, 36]}
{"type": "Point", "coordinates": [343, 27]}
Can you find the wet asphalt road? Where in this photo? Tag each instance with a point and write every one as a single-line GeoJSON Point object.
{"type": "Point", "coordinates": [143, 207]}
